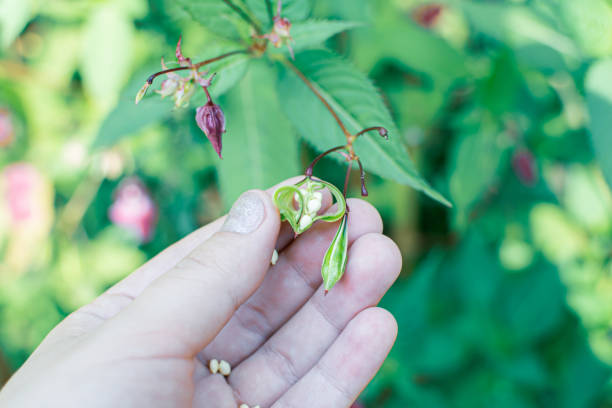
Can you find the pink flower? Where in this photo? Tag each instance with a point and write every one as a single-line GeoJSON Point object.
{"type": "Point", "coordinates": [133, 209]}
{"type": "Point", "coordinates": [22, 182]}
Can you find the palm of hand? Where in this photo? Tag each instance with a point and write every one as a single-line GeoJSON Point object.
{"type": "Point", "coordinates": [143, 344]}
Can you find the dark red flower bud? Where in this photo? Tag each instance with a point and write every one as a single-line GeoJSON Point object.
{"type": "Point", "coordinates": [211, 120]}
{"type": "Point", "coordinates": [525, 168]}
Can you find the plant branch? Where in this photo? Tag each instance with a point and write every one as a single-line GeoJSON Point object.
{"type": "Point", "coordinates": [308, 172]}
{"type": "Point", "coordinates": [196, 66]}
{"type": "Point", "coordinates": [346, 179]}
{"type": "Point", "coordinates": [318, 94]}
{"type": "Point", "coordinates": [244, 16]}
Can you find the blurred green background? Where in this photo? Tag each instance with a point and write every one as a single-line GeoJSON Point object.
{"type": "Point", "coordinates": [505, 300]}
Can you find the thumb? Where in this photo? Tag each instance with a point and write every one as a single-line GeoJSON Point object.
{"type": "Point", "coordinates": [188, 305]}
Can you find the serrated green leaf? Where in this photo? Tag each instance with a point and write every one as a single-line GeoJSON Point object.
{"type": "Point", "coordinates": [259, 148]}
{"type": "Point", "coordinates": [356, 101]}
{"type": "Point", "coordinates": [217, 17]}
{"type": "Point", "coordinates": [294, 10]}
{"type": "Point", "coordinates": [309, 33]}
{"type": "Point", "coordinates": [599, 101]}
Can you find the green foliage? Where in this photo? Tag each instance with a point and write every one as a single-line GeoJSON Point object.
{"type": "Point", "coordinates": [356, 101]}
{"type": "Point", "coordinates": [503, 106]}
{"type": "Point", "coordinates": [257, 135]}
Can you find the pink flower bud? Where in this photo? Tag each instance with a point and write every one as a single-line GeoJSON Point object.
{"type": "Point", "coordinates": [7, 131]}
{"type": "Point", "coordinates": [133, 209]}
{"type": "Point", "coordinates": [525, 168]}
{"type": "Point", "coordinates": [211, 120]}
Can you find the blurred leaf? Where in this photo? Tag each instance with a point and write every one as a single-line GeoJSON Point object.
{"type": "Point", "coordinates": [259, 148]}
{"type": "Point", "coordinates": [127, 117]}
{"type": "Point", "coordinates": [477, 159]}
{"type": "Point", "coordinates": [294, 10]}
{"type": "Point", "coordinates": [560, 239]}
{"type": "Point", "coordinates": [517, 26]}
{"type": "Point", "coordinates": [358, 104]}
{"type": "Point", "coordinates": [599, 101]}
{"type": "Point", "coordinates": [107, 52]}
{"type": "Point", "coordinates": [392, 35]}
{"type": "Point", "coordinates": [217, 17]}
{"type": "Point", "coordinates": [314, 32]}
{"type": "Point", "coordinates": [531, 304]}
{"type": "Point", "coordinates": [591, 23]}
{"type": "Point", "coordinates": [14, 15]}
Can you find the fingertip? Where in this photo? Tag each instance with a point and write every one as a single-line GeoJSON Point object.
{"type": "Point", "coordinates": [364, 216]}
{"type": "Point", "coordinates": [377, 324]}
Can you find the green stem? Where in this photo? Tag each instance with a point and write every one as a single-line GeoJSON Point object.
{"type": "Point", "coordinates": [244, 16]}
{"type": "Point", "coordinates": [318, 94]}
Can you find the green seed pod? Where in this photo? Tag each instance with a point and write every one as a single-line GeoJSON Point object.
{"type": "Point", "coordinates": [307, 195]}
{"type": "Point", "coordinates": [334, 262]}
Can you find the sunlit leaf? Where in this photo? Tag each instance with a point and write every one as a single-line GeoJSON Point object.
{"type": "Point", "coordinates": [259, 148]}
{"type": "Point", "coordinates": [599, 101]}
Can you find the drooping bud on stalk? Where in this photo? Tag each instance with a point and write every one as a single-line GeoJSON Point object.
{"type": "Point", "coordinates": [211, 120]}
{"type": "Point", "coordinates": [334, 262]}
{"type": "Point", "coordinates": [141, 93]}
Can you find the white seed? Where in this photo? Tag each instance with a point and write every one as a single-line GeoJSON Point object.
{"type": "Point", "coordinates": [213, 366]}
{"type": "Point", "coordinates": [314, 206]}
{"type": "Point", "coordinates": [225, 368]}
{"type": "Point", "coordinates": [305, 221]}
{"type": "Point", "coordinates": [274, 257]}
{"type": "Point", "coordinates": [318, 195]}
{"type": "Point", "coordinates": [244, 406]}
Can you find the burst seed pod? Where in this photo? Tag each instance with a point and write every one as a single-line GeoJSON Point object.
{"type": "Point", "coordinates": [334, 262]}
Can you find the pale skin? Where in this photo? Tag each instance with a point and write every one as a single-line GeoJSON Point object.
{"type": "Point", "coordinates": [147, 341]}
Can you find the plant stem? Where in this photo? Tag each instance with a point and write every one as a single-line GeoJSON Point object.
{"type": "Point", "coordinates": [346, 179]}
{"type": "Point", "coordinates": [381, 130]}
{"type": "Point", "coordinates": [196, 66]}
{"type": "Point", "coordinates": [308, 172]}
{"type": "Point", "coordinates": [244, 16]}
{"type": "Point", "coordinates": [364, 190]}
{"type": "Point", "coordinates": [318, 94]}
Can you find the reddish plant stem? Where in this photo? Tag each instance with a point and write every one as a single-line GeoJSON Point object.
{"type": "Point", "coordinates": [195, 66]}
{"type": "Point", "coordinates": [364, 190]}
{"type": "Point", "coordinates": [208, 98]}
{"type": "Point", "coordinates": [347, 177]}
{"type": "Point", "coordinates": [381, 130]}
{"type": "Point", "coordinates": [308, 172]}
{"type": "Point", "coordinates": [321, 98]}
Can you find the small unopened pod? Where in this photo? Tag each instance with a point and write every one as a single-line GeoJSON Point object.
{"type": "Point", "coordinates": [334, 262]}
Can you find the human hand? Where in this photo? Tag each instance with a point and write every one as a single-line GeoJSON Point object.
{"type": "Point", "coordinates": [147, 341]}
